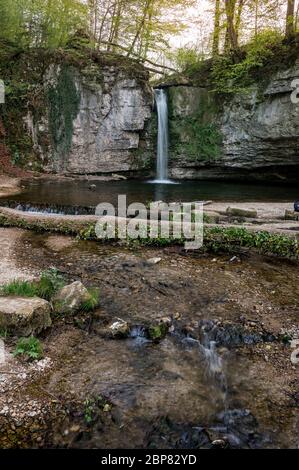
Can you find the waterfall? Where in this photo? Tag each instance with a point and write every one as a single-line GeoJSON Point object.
{"type": "Point", "coordinates": [162, 155]}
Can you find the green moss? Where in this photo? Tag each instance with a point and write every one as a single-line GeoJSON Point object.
{"type": "Point", "coordinates": [194, 133]}
{"type": "Point", "coordinates": [196, 140]}
{"type": "Point", "coordinates": [23, 73]}
{"type": "Point", "coordinates": [157, 332]}
{"type": "Point", "coordinates": [63, 100]}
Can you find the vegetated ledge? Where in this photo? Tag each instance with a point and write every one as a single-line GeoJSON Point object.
{"type": "Point", "coordinates": [217, 239]}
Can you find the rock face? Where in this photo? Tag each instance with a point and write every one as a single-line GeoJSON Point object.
{"type": "Point", "coordinates": [70, 298]}
{"type": "Point", "coordinates": [98, 121]}
{"type": "Point", "coordinates": [252, 135]}
{"type": "Point", "coordinates": [24, 316]}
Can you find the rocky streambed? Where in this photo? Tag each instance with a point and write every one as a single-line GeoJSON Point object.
{"type": "Point", "coordinates": [217, 374]}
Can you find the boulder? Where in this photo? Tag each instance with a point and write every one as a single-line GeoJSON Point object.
{"type": "Point", "coordinates": [119, 329]}
{"type": "Point", "coordinates": [70, 298]}
{"type": "Point", "coordinates": [24, 316]}
{"type": "Point", "coordinates": [291, 215]}
{"type": "Point", "coordinates": [236, 212]}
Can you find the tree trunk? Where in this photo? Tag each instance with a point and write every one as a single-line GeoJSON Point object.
{"type": "Point", "coordinates": [140, 27]}
{"type": "Point", "coordinates": [231, 40]}
{"type": "Point", "coordinates": [216, 33]}
{"type": "Point", "coordinates": [296, 18]}
{"type": "Point", "coordinates": [290, 29]}
{"type": "Point", "coordinates": [239, 17]}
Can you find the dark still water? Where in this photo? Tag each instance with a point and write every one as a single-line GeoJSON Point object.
{"type": "Point", "coordinates": [80, 193]}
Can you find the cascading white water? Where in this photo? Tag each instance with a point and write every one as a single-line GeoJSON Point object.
{"type": "Point", "coordinates": [162, 151]}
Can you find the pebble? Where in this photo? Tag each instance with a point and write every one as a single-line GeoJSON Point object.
{"type": "Point", "coordinates": [154, 260]}
{"type": "Point", "coordinates": [219, 443]}
{"type": "Point", "coordinates": [75, 428]}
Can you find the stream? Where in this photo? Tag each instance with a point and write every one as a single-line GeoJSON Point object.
{"type": "Point", "coordinates": [220, 377]}
{"type": "Point", "coordinates": [82, 196]}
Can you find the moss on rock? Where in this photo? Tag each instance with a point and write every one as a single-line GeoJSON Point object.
{"type": "Point", "coordinates": [63, 103]}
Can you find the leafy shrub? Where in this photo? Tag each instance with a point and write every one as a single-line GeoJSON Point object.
{"type": "Point", "coordinates": [50, 282]}
{"type": "Point", "coordinates": [230, 76]}
{"type": "Point", "coordinates": [187, 59]}
{"type": "Point", "coordinates": [30, 348]}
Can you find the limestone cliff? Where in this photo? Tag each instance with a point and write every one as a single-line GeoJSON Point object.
{"type": "Point", "coordinates": [73, 112]}
{"type": "Point", "coordinates": [77, 113]}
{"type": "Point", "coordinates": [250, 135]}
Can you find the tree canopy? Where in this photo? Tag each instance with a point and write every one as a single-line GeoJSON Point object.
{"type": "Point", "coordinates": [142, 28]}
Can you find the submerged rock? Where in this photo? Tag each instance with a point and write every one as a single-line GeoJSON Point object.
{"type": "Point", "coordinates": [70, 298]}
{"type": "Point", "coordinates": [24, 316]}
{"type": "Point", "coordinates": [236, 429]}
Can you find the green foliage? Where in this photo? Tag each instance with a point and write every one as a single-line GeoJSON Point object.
{"type": "Point", "coordinates": [224, 239]}
{"type": "Point", "coordinates": [30, 348]}
{"type": "Point", "coordinates": [64, 101]}
{"type": "Point", "coordinates": [193, 137]}
{"type": "Point", "coordinates": [4, 333]}
{"type": "Point", "coordinates": [19, 288]}
{"type": "Point", "coordinates": [93, 301]}
{"type": "Point", "coordinates": [41, 23]}
{"type": "Point", "coordinates": [215, 238]}
{"type": "Point", "coordinates": [157, 332]}
{"type": "Point", "coordinates": [231, 76]}
{"type": "Point", "coordinates": [50, 282]}
{"type": "Point", "coordinates": [87, 233]}
{"type": "Point", "coordinates": [187, 60]}
{"type": "Point", "coordinates": [93, 407]}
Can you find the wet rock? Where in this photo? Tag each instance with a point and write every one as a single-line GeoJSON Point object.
{"type": "Point", "coordinates": [154, 260]}
{"type": "Point", "coordinates": [70, 298]}
{"type": "Point", "coordinates": [236, 428]}
{"type": "Point", "coordinates": [219, 443]}
{"type": "Point", "coordinates": [165, 321]}
{"type": "Point", "coordinates": [119, 329]}
{"type": "Point", "coordinates": [292, 215]}
{"type": "Point", "coordinates": [236, 212]}
{"type": "Point", "coordinates": [115, 176]}
{"type": "Point", "coordinates": [168, 435]}
{"type": "Point", "coordinates": [24, 316]}
{"type": "Point", "coordinates": [230, 335]}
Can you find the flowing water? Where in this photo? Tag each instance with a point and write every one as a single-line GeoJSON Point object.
{"type": "Point", "coordinates": [163, 138]}
{"type": "Point", "coordinates": [220, 376]}
{"type": "Point", "coordinates": [162, 149]}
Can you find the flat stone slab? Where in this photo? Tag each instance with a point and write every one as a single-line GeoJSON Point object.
{"type": "Point", "coordinates": [22, 316]}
